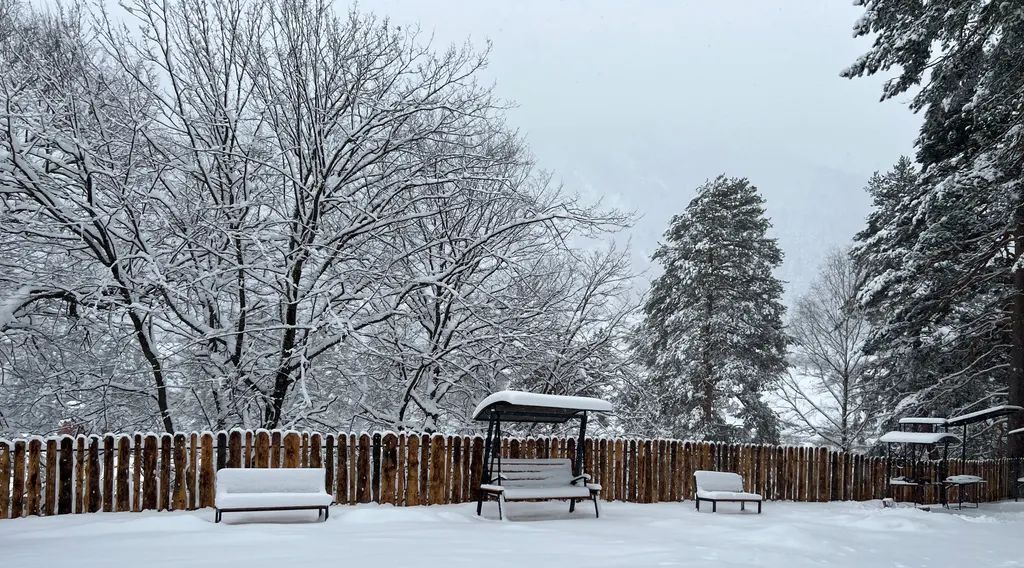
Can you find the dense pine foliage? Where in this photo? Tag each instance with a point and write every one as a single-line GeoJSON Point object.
{"type": "Point", "coordinates": [944, 250]}
{"type": "Point", "coordinates": [712, 337]}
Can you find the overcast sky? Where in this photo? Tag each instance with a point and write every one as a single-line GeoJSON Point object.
{"type": "Point", "coordinates": [640, 102]}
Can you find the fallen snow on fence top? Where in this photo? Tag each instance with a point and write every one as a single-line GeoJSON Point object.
{"type": "Point", "coordinates": [539, 535]}
{"type": "Point", "coordinates": [918, 437]}
{"type": "Point", "coordinates": [520, 398]}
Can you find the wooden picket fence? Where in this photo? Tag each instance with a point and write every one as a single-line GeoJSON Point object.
{"type": "Point", "coordinates": [64, 475]}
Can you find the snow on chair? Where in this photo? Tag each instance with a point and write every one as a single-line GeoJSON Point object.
{"type": "Point", "coordinates": [260, 489]}
{"type": "Point", "coordinates": [718, 486]}
{"type": "Point", "coordinates": [540, 479]}
{"type": "Point", "coordinates": [506, 479]}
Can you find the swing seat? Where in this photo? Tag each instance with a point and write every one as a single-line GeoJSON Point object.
{"type": "Point", "coordinates": [540, 480]}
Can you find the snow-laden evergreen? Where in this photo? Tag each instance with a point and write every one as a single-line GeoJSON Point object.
{"type": "Point", "coordinates": [712, 337]}
{"type": "Point", "coordinates": [948, 280]}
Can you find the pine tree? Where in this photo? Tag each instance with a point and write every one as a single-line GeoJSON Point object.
{"type": "Point", "coordinates": [712, 337]}
{"type": "Point", "coordinates": [962, 291]}
{"type": "Point", "coordinates": [937, 342]}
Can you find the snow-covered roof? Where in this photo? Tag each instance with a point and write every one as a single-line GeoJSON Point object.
{"type": "Point", "coordinates": [532, 407]}
{"type": "Point", "coordinates": [922, 420]}
{"type": "Point", "coordinates": [985, 414]}
{"type": "Point", "coordinates": [896, 437]}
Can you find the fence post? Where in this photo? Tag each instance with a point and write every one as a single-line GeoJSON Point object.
{"type": "Point", "coordinates": [94, 499]}
{"type": "Point", "coordinates": [341, 487]}
{"type": "Point", "coordinates": [108, 473]}
{"type": "Point", "coordinates": [190, 473]}
{"type": "Point", "coordinates": [165, 472]}
{"type": "Point", "coordinates": [375, 469]}
{"type": "Point", "coordinates": [123, 459]}
{"type": "Point", "coordinates": [178, 500]}
{"type": "Point", "coordinates": [455, 491]}
{"type": "Point", "coordinates": [5, 478]}
{"type": "Point", "coordinates": [80, 467]}
{"type": "Point", "coordinates": [137, 473]}
{"type": "Point", "coordinates": [50, 480]}
{"type": "Point", "coordinates": [388, 468]}
{"type": "Point", "coordinates": [149, 473]}
{"type": "Point", "coordinates": [67, 459]}
{"type": "Point", "coordinates": [363, 469]}
{"type": "Point", "coordinates": [329, 465]}
{"type": "Point", "coordinates": [33, 481]}
{"type": "Point", "coordinates": [437, 458]}
{"type": "Point", "coordinates": [476, 467]}
{"type": "Point", "coordinates": [316, 459]}
{"type": "Point", "coordinates": [275, 448]}
{"type": "Point", "coordinates": [262, 452]}
{"type": "Point", "coordinates": [292, 449]}
{"type": "Point", "coordinates": [402, 476]}
{"type": "Point", "coordinates": [235, 449]}
{"type": "Point", "coordinates": [412, 479]}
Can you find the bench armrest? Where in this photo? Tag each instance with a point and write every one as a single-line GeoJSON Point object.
{"type": "Point", "coordinates": [488, 488]}
{"type": "Point", "coordinates": [581, 477]}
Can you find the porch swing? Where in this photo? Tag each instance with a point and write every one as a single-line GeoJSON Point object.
{"type": "Point", "coordinates": [535, 479]}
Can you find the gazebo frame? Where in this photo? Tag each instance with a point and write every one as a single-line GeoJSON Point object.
{"type": "Point", "coordinates": [965, 420]}
{"type": "Point", "coordinates": [910, 442]}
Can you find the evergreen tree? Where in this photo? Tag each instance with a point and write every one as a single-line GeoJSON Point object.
{"type": "Point", "coordinates": [712, 336]}
{"type": "Point", "coordinates": [960, 289]}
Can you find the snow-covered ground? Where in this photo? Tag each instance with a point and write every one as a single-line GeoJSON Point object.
{"type": "Point", "coordinates": [666, 534]}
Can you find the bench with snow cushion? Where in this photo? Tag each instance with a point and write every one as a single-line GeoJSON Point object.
{"type": "Point", "coordinates": [260, 489]}
{"type": "Point", "coordinates": [718, 486]}
{"type": "Point", "coordinates": [540, 480]}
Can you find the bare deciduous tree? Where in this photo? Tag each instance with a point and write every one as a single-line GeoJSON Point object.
{"type": "Point", "coordinates": [297, 217]}
{"type": "Point", "coordinates": [822, 395]}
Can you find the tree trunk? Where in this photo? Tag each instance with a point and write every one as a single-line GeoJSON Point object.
{"type": "Point", "coordinates": [156, 369]}
{"type": "Point", "coordinates": [1015, 380]}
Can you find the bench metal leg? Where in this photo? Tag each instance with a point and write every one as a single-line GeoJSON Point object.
{"type": "Point", "coordinates": [743, 505]}
{"type": "Point", "coordinates": [698, 503]}
{"type": "Point", "coordinates": [714, 506]}
{"type": "Point", "coordinates": [572, 505]}
{"type": "Point", "coordinates": [216, 515]}
{"type": "Point", "coordinates": [597, 510]}
{"type": "Point", "coordinates": [500, 499]}
{"type": "Point", "coordinates": [758, 507]}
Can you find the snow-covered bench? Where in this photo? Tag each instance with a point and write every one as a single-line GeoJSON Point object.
{"type": "Point", "coordinates": [540, 480]}
{"type": "Point", "coordinates": [718, 486]}
{"type": "Point", "coordinates": [259, 489]}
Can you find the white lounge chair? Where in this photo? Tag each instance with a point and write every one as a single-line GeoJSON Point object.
{"type": "Point", "coordinates": [259, 489]}
{"type": "Point", "coordinates": [718, 486]}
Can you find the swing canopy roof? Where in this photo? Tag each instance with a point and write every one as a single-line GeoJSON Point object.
{"type": "Point", "coordinates": [982, 415]}
{"type": "Point", "coordinates": [519, 406]}
{"type": "Point", "coordinates": [927, 438]}
{"type": "Point", "coordinates": [923, 420]}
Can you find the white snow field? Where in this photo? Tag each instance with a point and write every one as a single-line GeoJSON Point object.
{"type": "Point", "coordinates": [539, 535]}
